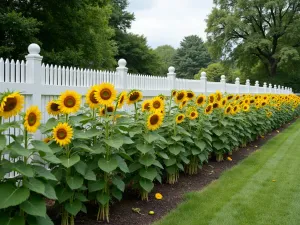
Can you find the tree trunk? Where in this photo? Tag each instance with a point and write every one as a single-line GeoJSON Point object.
{"type": "Point", "coordinates": [273, 64]}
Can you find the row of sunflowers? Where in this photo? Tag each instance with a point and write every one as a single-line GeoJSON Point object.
{"type": "Point", "coordinates": [93, 153]}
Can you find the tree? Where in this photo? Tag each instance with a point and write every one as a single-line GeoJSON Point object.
{"type": "Point", "coordinates": [166, 55]}
{"type": "Point", "coordinates": [256, 32]}
{"type": "Point", "coordinates": [214, 72]}
{"type": "Point", "coordinates": [191, 56]}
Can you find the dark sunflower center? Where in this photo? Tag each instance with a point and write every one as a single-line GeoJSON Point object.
{"type": "Point", "coordinates": [61, 134]}
{"type": "Point", "coordinates": [215, 105]}
{"type": "Point", "coordinates": [10, 104]}
{"type": "Point", "coordinates": [235, 108]}
{"type": "Point", "coordinates": [200, 100]}
{"type": "Point", "coordinates": [122, 99]}
{"type": "Point", "coordinates": [218, 97]}
{"type": "Point", "coordinates": [134, 96]}
{"type": "Point", "coordinates": [224, 102]}
{"type": "Point", "coordinates": [190, 95]}
{"type": "Point", "coordinates": [146, 106]}
{"type": "Point", "coordinates": [92, 97]}
{"type": "Point", "coordinates": [105, 94]}
{"type": "Point", "coordinates": [32, 119]}
{"type": "Point", "coordinates": [70, 101]}
{"type": "Point", "coordinates": [230, 97]}
{"type": "Point", "coordinates": [193, 114]}
{"type": "Point", "coordinates": [208, 108]}
{"type": "Point", "coordinates": [211, 99]}
{"type": "Point", "coordinates": [54, 107]}
{"type": "Point", "coordinates": [180, 96]}
{"type": "Point", "coordinates": [156, 104]}
{"type": "Point", "coordinates": [154, 119]}
{"type": "Point", "coordinates": [110, 109]}
{"type": "Point", "coordinates": [180, 117]}
{"type": "Point", "coordinates": [173, 93]}
{"type": "Point", "coordinates": [228, 110]}
{"type": "Point", "coordinates": [251, 101]}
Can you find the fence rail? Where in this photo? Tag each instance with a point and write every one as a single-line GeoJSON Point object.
{"type": "Point", "coordinates": [41, 82]}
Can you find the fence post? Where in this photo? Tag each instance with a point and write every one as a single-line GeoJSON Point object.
{"type": "Point", "coordinates": [270, 88]}
{"type": "Point", "coordinates": [257, 86]}
{"type": "Point", "coordinates": [172, 77]}
{"type": "Point", "coordinates": [203, 80]}
{"type": "Point", "coordinates": [237, 83]}
{"type": "Point", "coordinates": [223, 83]}
{"type": "Point", "coordinates": [248, 86]}
{"type": "Point", "coordinates": [275, 88]}
{"type": "Point", "coordinates": [122, 72]}
{"type": "Point", "coordinates": [279, 90]}
{"type": "Point", "coordinates": [265, 87]}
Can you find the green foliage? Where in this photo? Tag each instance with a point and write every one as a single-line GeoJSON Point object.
{"type": "Point", "coordinates": [214, 72]}
{"type": "Point", "coordinates": [191, 56]}
{"type": "Point", "coordinates": [166, 54]}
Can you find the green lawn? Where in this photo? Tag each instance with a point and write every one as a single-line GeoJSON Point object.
{"type": "Point", "coordinates": [263, 189]}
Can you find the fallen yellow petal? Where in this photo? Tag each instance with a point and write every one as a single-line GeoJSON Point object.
{"type": "Point", "coordinates": [151, 212]}
{"type": "Point", "coordinates": [273, 180]}
{"type": "Point", "coordinates": [229, 158]}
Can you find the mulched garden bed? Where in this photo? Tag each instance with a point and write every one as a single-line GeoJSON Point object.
{"type": "Point", "coordinates": [122, 214]}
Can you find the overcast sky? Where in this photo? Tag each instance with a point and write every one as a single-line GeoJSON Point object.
{"type": "Point", "coordinates": [169, 21]}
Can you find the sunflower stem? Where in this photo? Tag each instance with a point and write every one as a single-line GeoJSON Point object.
{"type": "Point", "coordinates": [67, 117]}
{"type": "Point", "coordinates": [170, 104]}
{"type": "Point", "coordinates": [135, 109]}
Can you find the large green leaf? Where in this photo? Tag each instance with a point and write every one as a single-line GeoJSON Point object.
{"type": "Point", "coordinates": [176, 138]}
{"type": "Point", "coordinates": [115, 143]}
{"type": "Point", "coordinates": [127, 140]}
{"type": "Point", "coordinates": [218, 145]}
{"type": "Point", "coordinates": [24, 169]}
{"type": "Point", "coordinates": [134, 131]}
{"type": "Point", "coordinates": [35, 185]}
{"type": "Point", "coordinates": [200, 144]}
{"type": "Point", "coordinates": [74, 182]}
{"type": "Point", "coordinates": [218, 131]}
{"type": "Point", "coordinates": [63, 194]}
{"type": "Point", "coordinates": [163, 155]}
{"type": "Point", "coordinates": [41, 146]}
{"type": "Point", "coordinates": [52, 122]}
{"type": "Point", "coordinates": [90, 175]}
{"type": "Point", "coordinates": [147, 160]}
{"type": "Point", "coordinates": [122, 164]}
{"type": "Point", "coordinates": [108, 166]}
{"type": "Point", "coordinates": [68, 162]}
{"type": "Point", "coordinates": [82, 147]}
{"type": "Point", "coordinates": [176, 149]}
{"type": "Point", "coordinates": [2, 142]}
{"type": "Point", "coordinates": [51, 158]}
{"type": "Point", "coordinates": [103, 198]}
{"type": "Point", "coordinates": [81, 167]}
{"type": "Point", "coordinates": [18, 149]}
{"type": "Point", "coordinates": [170, 161]}
{"type": "Point", "coordinates": [5, 126]}
{"type": "Point", "coordinates": [50, 191]}
{"type": "Point", "coordinates": [7, 220]}
{"type": "Point", "coordinates": [119, 183]}
{"type": "Point", "coordinates": [37, 220]}
{"type": "Point", "coordinates": [146, 184]}
{"type": "Point", "coordinates": [86, 134]}
{"type": "Point", "coordinates": [35, 206]}
{"type": "Point", "coordinates": [149, 173]}
{"type": "Point", "coordinates": [11, 195]}
{"type": "Point", "coordinates": [96, 185]}
{"type": "Point", "coordinates": [151, 136]}
{"type": "Point", "coordinates": [43, 172]}
{"type": "Point", "coordinates": [144, 148]}
{"type": "Point", "coordinates": [74, 207]}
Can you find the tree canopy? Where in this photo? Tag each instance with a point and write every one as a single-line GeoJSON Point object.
{"type": "Point", "coordinates": [253, 32]}
{"type": "Point", "coordinates": [191, 56]}
{"type": "Point", "coordinates": [166, 55]}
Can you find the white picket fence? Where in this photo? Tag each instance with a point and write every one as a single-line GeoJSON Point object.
{"type": "Point", "coordinates": [42, 82]}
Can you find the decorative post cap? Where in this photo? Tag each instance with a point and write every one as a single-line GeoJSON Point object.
{"type": "Point", "coordinates": [223, 78]}
{"type": "Point", "coordinates": [171, 69]}
{"type": "Point", "coordinates": [247, 82]}
{"type": "Point", "coordinates": [237, 80]}
{"type": "Point", "coordinates": [34, 49]}
{"type": "Point", "coordinates": [257, 83]}
{"type": "Point", "coordinates": [122, 63]}
{"type": "Point", "coordinates": [270, 85]}
{"type": "Point", "coordinates": [203, 74]}
{"type": "Point", "coordinates": [265, 84]}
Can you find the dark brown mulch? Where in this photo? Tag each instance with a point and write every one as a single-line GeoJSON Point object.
{"type": "Point", "coordinates": [122, 214]}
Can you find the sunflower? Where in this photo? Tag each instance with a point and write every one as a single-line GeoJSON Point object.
{"type": "Point", "coordinates": [11, 104]}
{"type": "Point", "coordinates": [154, 121]}
{"type": "Point", "coordinates": [121, 99]}
{"type": "Point", "coordinates": [190, 95]}
{"type": "Point", "coordinates": [263, 103]}
{"type": "Point", "coordinates": [212, 98]}
{"type": "Point", "coordinates": [183, 103]}
{"type": "Point", "coordinates": [235, 109]}
{"type": "Point", "coordinates": [208, 109]}
{"type": "Point", "coordinates": [218, 95]}
{"type": "Point", "coordinates": [53, 108]}
{"type": "Point", "coordinates": [109, 109]}
{"type": "Point", "coordinates": [237, 97]}
{"type": "Point", "coordinates": [63, 134]}
{"type": "Point", "coordinates": [180, 96]}
{"type": "Point", "coordinates": [134, 96]}
{"type": "Point", "coordinates": [32, 119]}
{"type": "Point", "coordinates": [90, 98]}
{"type": "Point", "coordinates": [146, 105]}
{"type": "Point", "coordinates": [174, 93]}
{"type": "Point", "coordinates": [102, 111]}
{"type": "Point", "coordinates": [47, 140]}
{"type": "Point", "coordinates": [69, 102]}
{"type": "Point", "coordinates": [228, 110]}
{"type": "Point", "coordinates": [229, 97]}
{"type": "Point", "coordinates": [162, 97]}
{"type": "Point", "coordinates": [193, 115]}
{"type": "Point", "coordinates": [105, 93]}
{"type": "Point", "coordinates": [200, 100]}
{"type": "Point", "coordinates": [223, 102]}
{"type": "Point", "coordinates": [216, 105]}
{"type": "Point", "coordinates": [269, 114]}
{"type": "Point", "coordinates": [246, 108]}
{"type": "Point", "coordinates": [180, 118]}
{"type": "Point", "coordinates": [157, 104]}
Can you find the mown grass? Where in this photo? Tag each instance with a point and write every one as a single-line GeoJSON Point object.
{"type": "Point", "coordinates": [263, 189]}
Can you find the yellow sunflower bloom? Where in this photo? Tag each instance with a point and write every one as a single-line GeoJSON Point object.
{"type": "Point", "coordinates": [154, 121]}
{"type": "Point", "coordinates": [193, 115]}
{"type": "Point", "coordinates": [180, 118]}
{"type": "Point", "coordinates": [121, 99]}
{"type": "Point", "coordinates": [69, 102]}
{"type": "Point", "coordinates": [216, 105]}
{"type": "Point", "coordinates": [105, 93]}
{"type": "Point", "coordinates": [235, 109]}
{"type": "Point", "coordinates": [63, 134]}
{"type": "Point", "coordinates": [190, 95]}
{"type": "Point", "coordinates": [53, 108]}
{"type": "Point", "coordinates": [200, 100]}
{"type": "Point", "coordinates": [134, 96]}
{"type": "Point", "coordinates": [246, 108]}
{"type": "Point", "coordinates": [32, 119]}
{"type": "Point", "coordinates": [174, 92]}
{"type": "Point", "coordinates": [157, 104]}
{"type": "Point", "coordinates": [229, 97]}
{"type": "Point", "coordinates": [90, 98]}
{"type": "Point", "coordinates": [11, 104]}
{"type": "Point", "coordinates": [47, 140]}
{"type": "Point", "coordinates": [228, 110]}
{"type": "Point", "coordinates": [218, 95]}
{"type": "Point", "coordinates": [109, 109]}
{"type": "Point", "coordinates": [146, 105]}
{"type": "Point", "coordinates": [208, 109]}
{"type": "Point", "coordinates": [180, 96]}
{"type": "Point", "coordinates": [212, 98]}
{"type": "Point", "coordinates": [183, 103]}
{"type": "Point", "coordinates": [223, 102]}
